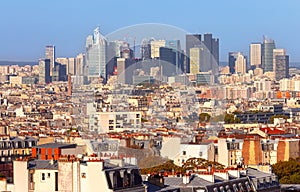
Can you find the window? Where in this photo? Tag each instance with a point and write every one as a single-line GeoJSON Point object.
{"type": "Point", "coordinates": [43, 177]}
{"type": "Point", "coordinates": [235, 189]}
{"type": "Point", "coordinates": [200, 153]}
{"type": "Point", "coordinates": [137, 115]}
{"type": "Point", "coordinates": [184, 153]}
{"type": "Point", "coordinates": [110, 127]}
{"type": "Point", "coordinates": [49, 175]}
{"type": "Point", "coordinates": [31, 177]}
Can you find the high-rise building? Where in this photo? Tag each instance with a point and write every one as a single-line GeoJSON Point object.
{"type": "Point", "coordinates": [240, 64]}
{"type": "Point", "coordinates": [125, 70]}
{"type": "Point", "coordinates": [231, 61]}
{"type": "Point", "coordinates": [50, 54]}
{"type": "Point", "coordinates": [211, 54]}
{"type": "Point", "coordinates": [195, 59]}
{"type": "Point", "coordinates": [71, 66]}
{"type": "Point", "coordinates": [179, 63]}
{"type": "Point", "coordinates": [96, 48]}
{"type": "Point", "coordinates": [80, 64]}
{"type": "Point", "coordinates": [191, 40]}
{"type": "Point", "coordinates": [167, 60]}
{"type": "Point", "coordinates": [145, 49]}
{"type": "Point", "coordinates": [59, 73]}
{"type": "Point", "coordinates": [255, 55]}
{"type": "Point", "coordinates": [44, 71]}
{"type": "Point", "coordinates": [277, 52]}
{"type": "Point", "coordinates": [267, 56]}
{"type": "Point", "coordinates": [155, 45]}
{"type": "Point", "coordinates": [281, 66]}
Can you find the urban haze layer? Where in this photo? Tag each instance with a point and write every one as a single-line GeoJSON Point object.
{"type": "Point", "coordinates": [153, 111]}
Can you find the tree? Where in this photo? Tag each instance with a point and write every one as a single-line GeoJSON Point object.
{"type": "Point", "coordinates": [288, 172]}
{"type": "Point", "coordinates": [230, 118]}
{"type": "Point", "coordinates": [204, 117]}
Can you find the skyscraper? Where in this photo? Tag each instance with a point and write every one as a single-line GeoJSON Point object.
{"type": "Point", "coordinates": [155, 45]}
{"type": "Point", "coordinates": [280, 64]}
{"type": "Point", "coordinates": [255, 55]}
{"type": "Point", "coordinates": [267, 56]}
{"type": "Point", "coordinates": [211, 54]}
{"type": "Point", "coordinates": [96, 47]}
{"type": "Point", "coordinates": [277, 52]}
{"type": "Point", "coordinates": [145, 49]}
{"type": "Point", "coordinates": [175, 45]}
{"type": "Point", "coordinates": [44, 71]}
{"type": "Point", "coordinates": [195, 59]}
{"type": "Point", "coordinates": [71, 66]}
{"type": "Point", "coordinates": [231, 61]}
{"type": "Point", "coordinates": [50, 54]}
{"type": "Point", "coordinates": [191, 40]}
{"type": "Point", "coordinates": [240, 63]}
{"type": "Point", "coordinates": [167, 60]}
{"type": "Point", "coordinates": [80, 64]}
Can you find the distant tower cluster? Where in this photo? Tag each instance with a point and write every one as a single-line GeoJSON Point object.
{"type": "Point", "coordinates": [270, 59]}
{"type": "Point", "coordinates": [209, 48]}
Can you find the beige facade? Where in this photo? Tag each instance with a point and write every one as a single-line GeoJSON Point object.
{"type": "Point", "coordinates": [255, 54]}
{"type": "Point", "coordinates": [195, 60]}
{"type": "Point", "coordinates": [240, 64]}
{"type": "Point", "coordinates": [155, 45]}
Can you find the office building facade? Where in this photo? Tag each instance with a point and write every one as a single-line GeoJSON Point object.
{"type": "Point", "coordinates": [267, 57]}
{"type": "Point", "coordinates": [50, 54]}
{"type": "Point", "coordinates": [255, 55]}
{"type": "Point", "coordinates": [281, 67]}
{"type": "Point", "coordinates": [44, 71]}
{"type": "Point", "coordinates": [96, 47]}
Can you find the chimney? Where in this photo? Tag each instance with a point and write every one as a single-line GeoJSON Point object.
{"type": "Point", "coordinates": [186, 179]}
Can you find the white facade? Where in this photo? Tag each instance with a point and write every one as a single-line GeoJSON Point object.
{"type": "Point", "coordinates": [71, 175]}
{"type": "Point", "coordinates": [104, 122]}
{"type": "Point", "coordinates": [240, 64]}
{"type": "Point", "coordinates": [230, 151]}
{"type": "Point", "coordinates": [187, 151]}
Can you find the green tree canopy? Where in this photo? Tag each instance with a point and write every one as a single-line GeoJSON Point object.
{"type": "Point", "coordinates": [288, 172]}
{"type": "Point", "coordinates": [204, 117]}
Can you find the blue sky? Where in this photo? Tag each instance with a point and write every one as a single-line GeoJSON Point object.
{"type": "Point", "coordinates": [27, 26]}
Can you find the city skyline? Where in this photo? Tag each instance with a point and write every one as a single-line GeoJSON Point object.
{"type": "Point", "coordinates": [67, 31]}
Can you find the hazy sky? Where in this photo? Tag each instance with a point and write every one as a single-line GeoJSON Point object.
{"type": "Point", "coordinates": [27, 26]}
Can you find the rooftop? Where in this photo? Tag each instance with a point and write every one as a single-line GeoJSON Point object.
{"type": "Point", "coordinates": [56, 145]}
